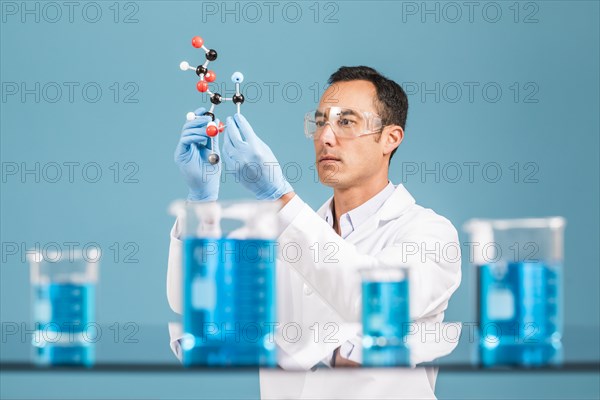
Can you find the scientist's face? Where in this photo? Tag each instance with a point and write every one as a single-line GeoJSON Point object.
{"type": "Point", "coordinates": [348, 162]}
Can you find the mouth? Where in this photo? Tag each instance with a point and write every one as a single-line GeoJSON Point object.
{"type": "Point", "coordinates": [328, 159]}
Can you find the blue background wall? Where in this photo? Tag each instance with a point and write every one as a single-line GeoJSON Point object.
{"type": "Point", "coordinates": [532, 115]}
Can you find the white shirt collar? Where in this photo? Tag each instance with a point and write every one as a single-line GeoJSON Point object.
{"type": "Point", "coordinates": [351, 220]}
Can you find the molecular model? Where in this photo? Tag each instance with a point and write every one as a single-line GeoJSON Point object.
{"type": "Point", "coordinates": [207, 76]}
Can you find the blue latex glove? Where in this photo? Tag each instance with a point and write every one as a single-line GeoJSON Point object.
{"type": "Point", "coordinates": [191, 156]}
{"type": "Point", "coordinates": [262, 173]}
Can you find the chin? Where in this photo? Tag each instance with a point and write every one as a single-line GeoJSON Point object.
{"type": "Point", "coordinates": [330, 175]}
{"type": "Point", "coordinates": [332, 185]}
{"type": "Point", "coordinates": [331, 180]}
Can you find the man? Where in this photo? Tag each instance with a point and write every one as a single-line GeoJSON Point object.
{"type": "Point", "coordinates": [356, 129]}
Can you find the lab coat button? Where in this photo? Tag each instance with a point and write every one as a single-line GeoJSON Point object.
{"type": "Point", "coordinates": [307, 291]}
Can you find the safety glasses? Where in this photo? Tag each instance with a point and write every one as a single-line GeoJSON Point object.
{"type": "Point", "coordinates": [345, 122]}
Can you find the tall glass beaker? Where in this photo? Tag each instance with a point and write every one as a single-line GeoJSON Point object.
{"type": "Point", "coordinates": [229, 260]}
{"type": "Point", "coordinates": [385, 316]}
{"type": "Point", "coordinates": [519, 289]}
{"type": "Point", "coordinates": [63, 283]}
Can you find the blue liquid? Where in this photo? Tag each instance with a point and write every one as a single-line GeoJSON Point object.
{"type": "Point", "coordinates": [385, 323]}
{"type": "Point", "coordinates": [63, 313]}
{"type": "Point", "coordinates": [229, 302]}
{"type": "Point", "coordinates": [519, 315]}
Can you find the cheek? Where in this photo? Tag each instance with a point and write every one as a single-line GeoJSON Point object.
{"type": "Point", "coordinates": [362, 156]}
{"type": "Point", "coordinates": [317, 147]}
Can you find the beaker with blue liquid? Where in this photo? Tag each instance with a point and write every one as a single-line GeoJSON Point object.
{"type": "Point", "coordinates": [63, 285]}
{"type": "Point", "coordinates": [518, 276]}
{"type": "Point", "coordinates": [385, 316]}
{"type": "Point", "coordinates": [229, 260]}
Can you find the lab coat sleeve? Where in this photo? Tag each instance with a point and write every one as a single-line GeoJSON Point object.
{"type": "Point", "coordinates": [289, 212]}
{"type": "Point", "coordinates": [174, 270]}
{"type": "Point", "coordinates": [174, 293]}
{"type": "Point", "coordinates": [336, 279]}
{"type": "Point", "coordinates": [419, 241]}
{"type": "Point", "coordinates": [432, 251]}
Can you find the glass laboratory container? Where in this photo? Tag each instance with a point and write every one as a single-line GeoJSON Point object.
{"type": "Point", "coordinates": [229, 260]}
{"type": "Point", "coordinates": [63, 285]}
{"type": "Point", "coordinates": [518, 266]}
{"type": "Point", "coordinates": [385, 316]}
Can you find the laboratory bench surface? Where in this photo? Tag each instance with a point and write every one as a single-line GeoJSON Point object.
{"type": "Point", "coordinates": [133, 367]}
{"type": "Point", "coordinates": [106, 381]}
{"type": "Point", "coordinates": [146, 349]}
{"type": "Point", "coordinates": [143, 367]}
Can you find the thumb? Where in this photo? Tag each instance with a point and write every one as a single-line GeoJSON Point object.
{"type": "Point", "coordinates": [245, 128]}
{"type": "Point", "coordinates": [184, 153]}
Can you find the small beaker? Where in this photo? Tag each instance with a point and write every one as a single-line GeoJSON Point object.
{"type": "Point", "coordinates": [63, 284]}
{"type": "Point", "coordinates": [385, 316]}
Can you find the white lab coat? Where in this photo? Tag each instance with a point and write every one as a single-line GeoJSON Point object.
{"type": "Point", "coordinates": [319, 298]}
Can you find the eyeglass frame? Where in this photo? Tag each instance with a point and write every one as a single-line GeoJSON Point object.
{"type": "Point", "coordinates": [366, 114]}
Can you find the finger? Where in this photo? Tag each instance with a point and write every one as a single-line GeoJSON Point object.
{"type": "Point", "coordinates": [185, 153]}
{"type": "Point", "coordinates": [228, 148]}
{"type": "Point", "coordinates": [195, 131]}
{"type": "Point", "coordinates": [200, 111]}
{"type": "Point", "coordinates": [244, 126]}
{"type": "Point", "coordinates": [194, 136]}
{"type": "Point", "coordinates": [197, 122]}
{"type": "Point", "coordinates": [228, 154]}
{"type": "Point", "coordinates": [233, 134]}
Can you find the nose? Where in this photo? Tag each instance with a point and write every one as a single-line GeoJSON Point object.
{"type": "Point", "coordinates": [327, 136]}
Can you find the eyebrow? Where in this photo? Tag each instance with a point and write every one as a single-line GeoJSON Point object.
{"type": "Point", "coordinates": [347, 111]}
{"type": "Point", "coordinates": [343, 112]}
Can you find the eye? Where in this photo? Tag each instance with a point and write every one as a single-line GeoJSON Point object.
{"type": "Point", "coordinates": [345, 122]}
{"type": "Point", "coordinates": [320, 123]}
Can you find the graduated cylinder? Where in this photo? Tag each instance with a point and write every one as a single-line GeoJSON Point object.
{"type": "Point", "coordinates": [229, 261]}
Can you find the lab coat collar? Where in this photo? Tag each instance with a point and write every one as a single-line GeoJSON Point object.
{"type": "Point", "coordinates": [392, 208]}
{"type": "Point", "coordinates": [354, 218]}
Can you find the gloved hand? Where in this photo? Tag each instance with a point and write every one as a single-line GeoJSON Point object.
{"type": "Point", "coordinates": [191, 156]}
{"type": "Point", "coordinates": [262, 174]}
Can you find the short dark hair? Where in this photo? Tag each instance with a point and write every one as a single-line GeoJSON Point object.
{"type": "Point", "coordinates": [391, 104]}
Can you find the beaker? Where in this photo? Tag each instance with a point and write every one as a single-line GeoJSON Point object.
{"type": "Point", "coordinates": [385, 316]}
{"type": "Point", "coordinates": [63, 283]}
{"type": "Point", "coordinates": [229, 260]}
{"type": "Point", "coordinates": [519, 289]}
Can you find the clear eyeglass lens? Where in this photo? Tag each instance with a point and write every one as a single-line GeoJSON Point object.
{"type": "Point", "coordinates": [344, 122]}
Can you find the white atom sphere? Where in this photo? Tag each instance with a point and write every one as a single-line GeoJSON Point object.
{"type": "Point", "coordinates": [190, 116]}
{"type": "Point", "coordinates": [184, 65]}
{"type": "Point", "coordinates": [237, 77]}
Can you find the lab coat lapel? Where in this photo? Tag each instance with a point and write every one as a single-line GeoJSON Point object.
{"type": "Point", "coordinates": [398, 203]}
{"type": "Point", "coordinates": [322, 211]}
{"type": "Point", "coordinates": [365, 229]}
{"type": "Point", "coordinates": [392, 208]}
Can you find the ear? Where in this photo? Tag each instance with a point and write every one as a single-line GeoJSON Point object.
{"type": "Point", "coordinates": [392, 137]}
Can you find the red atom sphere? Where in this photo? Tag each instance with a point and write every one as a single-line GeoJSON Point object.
{"type": "Point", "coordinates": [221, 127]}
{"type": "Point", "coordinates": [197, 42]}
{"type": "Point", "coordinates": [212, 130]}
{"type": "Point", "coordinates": [210, 76]}
{"type": "Point", "coordinates": [202, 86]}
